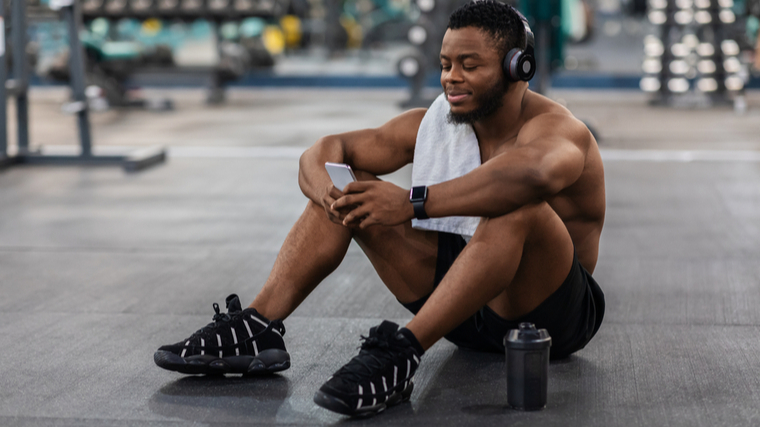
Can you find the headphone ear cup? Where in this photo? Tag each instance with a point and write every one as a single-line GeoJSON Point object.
{"type": "Point", "coordinates": [526, 67]}
{"type": "Point", "coordinates": [511, 64]}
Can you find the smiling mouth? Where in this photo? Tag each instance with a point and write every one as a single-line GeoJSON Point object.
{"type": "Point", "coordinates": [456, 97]}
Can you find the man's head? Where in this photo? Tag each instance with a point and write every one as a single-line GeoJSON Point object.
{"type": "Point", "coordinates": [479, 35]}
{"type": "Point", "coordinates": [498, 20]}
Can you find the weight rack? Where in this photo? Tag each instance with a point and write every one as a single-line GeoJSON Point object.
{"type": "Point", "coordinates": [693, 60]}
{"type": "Point", "coordinates": [215, 10]}
{"type": "Point", "coordinates": [19, 87]}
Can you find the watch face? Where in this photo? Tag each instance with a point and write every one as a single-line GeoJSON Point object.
{"type": "Point", "coordinates": [418, 193]}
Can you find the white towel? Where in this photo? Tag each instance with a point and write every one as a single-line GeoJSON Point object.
{"type": "Point", "coordinates": [444, 151]}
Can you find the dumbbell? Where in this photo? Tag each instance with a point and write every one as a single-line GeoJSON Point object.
{"type": "Point", "coordinates": [191, 5]}
{"type": "Point", "coordinates": [243, 5]}
{"type": "Point", "coordinates": [218, 5]}
{"type": "Point", "coordinates": [141, 5]}
{"type": "Point", "coordinates": [92, 5]}
{"type": "Point", "coordinates": [167, 5]}
{"type": "Point", "coordinates": [116, 6]}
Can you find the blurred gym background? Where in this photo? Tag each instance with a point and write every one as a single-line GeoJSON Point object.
{"type": "Point", "coordinates": [115, 54]}
{"type": "Point", "coordinates": [98, 267]}
{"type": "Point", "coordinates": [693, 52]}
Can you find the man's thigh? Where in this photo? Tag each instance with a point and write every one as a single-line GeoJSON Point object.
{"type": "Point", "coordinates": [550, 289]}
{"type": "Point", "coordinates": [545, 257]}
{"type": "Point", "coordinates": [404, 258]}
{"type": "Point", "coordinates": [521, 259]}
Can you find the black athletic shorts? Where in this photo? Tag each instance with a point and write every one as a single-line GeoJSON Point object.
{"type": "Point", "coordinates": [571, 315]}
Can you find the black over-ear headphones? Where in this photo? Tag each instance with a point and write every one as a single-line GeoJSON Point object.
{"type": "Point", "coordinates": [520, 64]}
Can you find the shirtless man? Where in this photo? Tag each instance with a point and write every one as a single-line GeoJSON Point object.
{"type": "Point", "coordinates": [506, 168]}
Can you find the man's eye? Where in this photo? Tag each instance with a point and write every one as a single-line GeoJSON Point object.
{"type": "Point", "coordinates": [445, 67]}
{"type": "Point", "coordinates": [469, 67]}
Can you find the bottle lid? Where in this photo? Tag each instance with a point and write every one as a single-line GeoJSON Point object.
{"type": "Point", "coordinates": [527, 338]}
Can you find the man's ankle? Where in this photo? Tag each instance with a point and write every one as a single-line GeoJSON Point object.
{"type": "Point", "coordinates": [259, 312]}
{"type": "Point", "coordinates": [409, 335]}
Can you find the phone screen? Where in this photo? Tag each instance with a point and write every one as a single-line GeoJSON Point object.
{"type": "Point", "coordinates": [340, 174]}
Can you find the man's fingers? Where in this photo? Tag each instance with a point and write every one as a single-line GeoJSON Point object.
{"type": "Point", "coordinates": [357, 187]}
{"type": "Point", "coordinates": [334, 192]}
{"type": "Point", "coordinates": [367, 221]}
{"type": "Point", "coordinates": [332, 216]}
{"type": "Point", "coordinates": [348, 200]}
{"type": "Point", "coordinates": [327, 202]}
{"type": "Point", "coordinates": [348, 219]}
{"type": "Point", "coordinates": [355, 215]}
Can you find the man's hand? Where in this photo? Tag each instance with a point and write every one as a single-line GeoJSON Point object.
{"type": "Point", "coordinates": [376, 203]}
{"type": "Point", "coordinates": [335, 215]}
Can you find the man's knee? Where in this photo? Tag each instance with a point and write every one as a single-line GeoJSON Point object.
{"type": "Point", "coordinates": [370, 234]}
{"type": "Point", "coordinates": [520, 222]}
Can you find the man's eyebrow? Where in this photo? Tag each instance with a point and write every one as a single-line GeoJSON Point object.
{"type": "Point", "coordinates": [463, 56]}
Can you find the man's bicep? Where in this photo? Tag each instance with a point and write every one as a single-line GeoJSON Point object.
{"type": "Point", "coordinates": [387, 148]}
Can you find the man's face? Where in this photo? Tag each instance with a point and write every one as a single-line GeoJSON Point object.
{"type": "Point", "coordinates": [471, 74]}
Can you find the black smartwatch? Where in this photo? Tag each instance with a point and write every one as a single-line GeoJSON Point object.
{"type": "Point", "coordinates": [417, 196]}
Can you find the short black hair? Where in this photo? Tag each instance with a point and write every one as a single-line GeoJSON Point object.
{"type": "Point", "coordinates": [497, 19]}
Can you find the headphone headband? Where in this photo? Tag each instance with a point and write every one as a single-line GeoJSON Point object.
{"type": "Point", "coordinates": [530, 40]}
{"type": "Point", "coordinates": [520, 64]}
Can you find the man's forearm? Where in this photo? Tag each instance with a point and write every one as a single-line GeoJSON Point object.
{"type": "Point", "coordinates": [486, 191]}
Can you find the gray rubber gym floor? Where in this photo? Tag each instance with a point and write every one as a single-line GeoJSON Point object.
{"type": "Point", "coordinates": [98, 268]}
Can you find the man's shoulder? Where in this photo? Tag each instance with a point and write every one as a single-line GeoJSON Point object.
{"type": "Point", "coordinates": [548, 119]}
{"type": "Point", "coordinates": [540, 110]}
{"type": "Point", "coordinates": [412, 116]}
{"type": "Point", "coordinates": [401, 131]}
{"type": "Point", "coordinates": [408, 120]}
{"type": "Point", "coordinates": [554, 122]}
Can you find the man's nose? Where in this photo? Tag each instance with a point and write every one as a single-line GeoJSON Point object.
{"type": "Point", "coordinates": [454, 74]}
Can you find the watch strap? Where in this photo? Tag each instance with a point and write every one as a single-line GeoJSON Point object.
{"type": "Point", "coordinates": [419, 210]}
{"type": "Point", "coordinates": [418, 196]}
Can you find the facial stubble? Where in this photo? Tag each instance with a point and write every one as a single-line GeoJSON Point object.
{"type": "Point", "coordinates": [487, 104]}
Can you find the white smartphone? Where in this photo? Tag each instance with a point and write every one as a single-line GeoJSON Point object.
{"type": "Point", "coordinates": [340, 174]}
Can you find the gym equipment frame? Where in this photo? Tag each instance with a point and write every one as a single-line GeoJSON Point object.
{"type": "Point", "coordinates": [19, 86]}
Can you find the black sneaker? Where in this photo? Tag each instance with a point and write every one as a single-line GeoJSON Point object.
{"type": "Point", "coordinates": [239, 341]}
{"type": "Point", "coordinates": [379, 377]}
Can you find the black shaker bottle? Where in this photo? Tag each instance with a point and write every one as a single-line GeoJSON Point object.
{"type": "Point", "coordinates": [527, 352]}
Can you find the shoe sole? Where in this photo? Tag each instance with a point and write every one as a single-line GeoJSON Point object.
{"type": "Point", "coordinates": [336, 404]}
{"type": "Point", "coordinates": [266, 362]}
